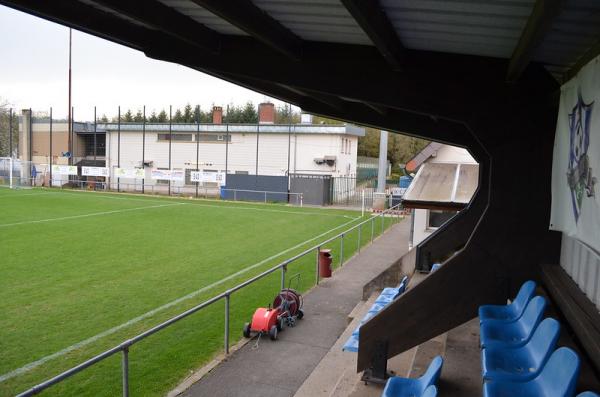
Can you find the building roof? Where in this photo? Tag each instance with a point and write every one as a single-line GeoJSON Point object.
{"type": "Point", "coordinates": [446, 186]}
{"type": "Point", "coordinates": [347, 129]}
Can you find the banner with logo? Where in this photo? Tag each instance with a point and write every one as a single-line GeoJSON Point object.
{"type": "Point", "coordinates": [64, 169]}
{"type": "Point", "coordinates": [133, 173]}
{"type": "Point", "coordinates": [168, 175]}
{"type": "Point", "coordinates": [211, 177]}
{"type": "Point", "coordinates": [94, 171]}
{"type": "Point", "coordinates": [576, 163]}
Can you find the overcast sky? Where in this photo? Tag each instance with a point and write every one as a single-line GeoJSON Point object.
{"type": "Point", "coordinates": [34, 73]}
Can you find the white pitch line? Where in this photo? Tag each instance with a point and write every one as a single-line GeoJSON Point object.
{"type": "Point", "coordinates": [222, 206]}
{"type": "Point", "coordinates": [28, 367]}
{"type": "Point", "coordinates": [88, 215]}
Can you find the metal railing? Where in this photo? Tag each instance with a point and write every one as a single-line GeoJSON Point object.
{"type": "Point", "coordinates": [282, 266]}
{"type": "Point", "coordinates": [197, 191]}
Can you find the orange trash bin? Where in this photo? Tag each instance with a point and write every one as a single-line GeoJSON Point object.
{"type": "Point", "coordinates": [325, 260]}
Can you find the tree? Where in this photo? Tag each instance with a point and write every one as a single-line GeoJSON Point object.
{"type": "Point", "coordinates": [153, 117]}
{"type": "Point", "coordinates": [139, 116]}
{"type": "Point", "coordinates": [249, 113]}
{"type": "Point", "coordinates": [401, 148]}
{"type": "Point", "coordinates": [188, 114]}
{"type": "Point", "coordinates": [5, 123]}
{"type": "Point", "coordinates": [177, 117]}
{"type": "Point", "coordinates": [128, 116]}
{"type": "Point", "coordinates": [103, 119]}
{"type": "Point", "coordinates": [163, 117]}
{"type": "Point", "coordinates": [285, 114]}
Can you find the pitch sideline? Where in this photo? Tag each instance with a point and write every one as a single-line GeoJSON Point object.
{"type": "Point", "coordinates": [34, 364]}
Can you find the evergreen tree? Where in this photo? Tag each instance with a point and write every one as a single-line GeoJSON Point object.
{"type": "Point", "coordinates": [153, 117]}
{"type": "Point", "coordinates": [163, 117]}
{"type": "Point", "coordinates": [139, 116]}
{"type": "Point", "coordinates": [188, 114]}
{"type": "Point", "coordinates": [128, 116]}
{"type": "Point", "coordinates": [249, 113]}
{"type": "Point", "coordinates": [178, 117]}
{"type": "Point", "coordinates": [103, 119]}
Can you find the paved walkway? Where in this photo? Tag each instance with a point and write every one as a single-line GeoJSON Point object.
{"type": "Point", "coordinates": [278, 369]}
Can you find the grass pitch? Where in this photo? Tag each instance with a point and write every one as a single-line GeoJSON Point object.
{"type": "Point", "coordinates": [83, 271]}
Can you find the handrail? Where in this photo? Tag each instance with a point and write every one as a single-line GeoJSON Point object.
{"type": "Point", "coordinates": [124, 346]}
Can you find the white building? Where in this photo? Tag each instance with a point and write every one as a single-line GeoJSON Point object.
{"type": "Point", "coordinates": [445, 182]}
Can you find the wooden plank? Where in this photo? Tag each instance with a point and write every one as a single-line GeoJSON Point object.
{"type": "Point", "coordinates": [581, 314]}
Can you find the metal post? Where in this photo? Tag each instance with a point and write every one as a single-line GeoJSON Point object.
{"type": "Point", "coordinates": [359, 237]}
{"type": "Point", "coordinates": [257, 135]}
{"type": "Point", "coordinates": [283, 269]}
{"type": "Point", "coordinates": [234, 194]}
{"type": "Point", "coordinates": [72, 135]}
{"type": "Point", "coordinates": [372, 228]}
{"type": "Point", "coordinates": [143, 149]}
{"type": "Point", "coordinates": [119, 148]}
{"type": "Point", "coordinates": [227, 142]}
{"type": "Point", "coordinates": [170, 141]}
{"type": "Point", "coordinates": [342, 250]}
{"type": "Point", "coordinates": [227, 296]}
{"type": "Point", "coordinates": [289, 149]}
{"type": "Point", "coordinates": [95, 136]}
{"type": "Point", "coordinates": [197, 144]}
{"type": "Point", "coordinates": [317, 266]}
{"type": "Point", "coordinates": [10, 134]}
{"type": "Point", "coordinates": [50, 149]}
{"type": "Point", "coordinates": [125, 368]}
{"type": "Point", "coordinates": [382, 223]}
{"type": "Point", "coordinates": [265, 197]}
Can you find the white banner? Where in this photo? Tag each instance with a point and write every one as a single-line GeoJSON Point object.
{"type": "Point", "coordinates": [133, 173]}
{"type": "Point", "coordinates": [576, 163]}
{"type": "Point", "coordinates": [94, 171]}
{"type": "Point", "coordinates": [212, 177]}
{"type": "Point", "coordinates": [168, 175]}
{"type": "Point", "coordinates": [64, 169]}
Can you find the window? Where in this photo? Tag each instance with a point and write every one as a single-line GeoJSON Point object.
{"type": "Point", "coordinates": [188, 176]}
{"type": "Point", "coordinates": [215, 138]}
{"type": "Point", "coordinates": [175, 137]}
{"type": "Point", "coordinates": [241, 172]}
{"type": "Point", "coordinates": [436, 218]}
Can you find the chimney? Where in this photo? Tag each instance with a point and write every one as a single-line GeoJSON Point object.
{"type": "Point", "coordinates": [217, 115]}
{"type": "Point", "coordinates": [266, 113]}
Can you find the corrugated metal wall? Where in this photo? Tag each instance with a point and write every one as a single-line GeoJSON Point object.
{"type": "Point", "coordinates": [583, 265]}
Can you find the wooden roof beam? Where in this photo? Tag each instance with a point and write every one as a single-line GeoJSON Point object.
{"type": "Point", "coordinates": [257, 23]}
{"type": "Point", "coordinates": [375, 23]}
{"type": "Point", "coordinates": [538, 24]}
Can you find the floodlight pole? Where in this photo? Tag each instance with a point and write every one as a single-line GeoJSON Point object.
{"type": "Point", "coordinates": [50, 150]}
{"type": "Point", "coordinates": [119, 146]}
{"type": "Point", "coordinates": [10, 134]}
{"type": "Point", "coordinates": [170, 142]}
{"type": "Point", "coordinates": [95, 139]}
{"type": "Point", "coordinates": [197, 144]}
{"type": "Point", "coordinates": [144, 148]}
{"type": "Point", "coordinates": [289, 148]}
{"type": "Point", "coordinates": [70, 125]}
{"type": "Point", "coordinates": [227, 142]}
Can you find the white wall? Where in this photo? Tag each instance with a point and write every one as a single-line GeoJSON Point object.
{"type": "Point", "coordinates": [272, 155]}
{"type": "Point", "coordinates": [420, 230]}
{"type": "Point", "coordinates": [582, 263]}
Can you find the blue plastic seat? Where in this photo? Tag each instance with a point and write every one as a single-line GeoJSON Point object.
{"type": "Point", "coordinates": [431, 391]}
{"type": "Point", "coordinates": [588, 394]}
{"type": "Point", "coordinates": [557, 379]}
{"type": "Point", "coordinates": [524, 363]}
{"type": "Point", "coordinates": [514, 334]}
{"type": "Point", "coordinates": [510, 312]}
{"type": "Point", "coordinates": [407, 387]}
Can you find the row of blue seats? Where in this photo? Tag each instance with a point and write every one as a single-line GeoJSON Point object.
{"type": "Point", "coordinates": [386, 297]}
{"type": "Point", "coordinates": [425, 386]}
{"type": "Point", "coordinates": [519, 355]}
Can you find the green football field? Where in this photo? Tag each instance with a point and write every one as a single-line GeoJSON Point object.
{"type": "Point", "coordinates": [83, 271]}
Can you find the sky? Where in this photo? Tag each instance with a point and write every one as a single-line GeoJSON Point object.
{"type": "Point", "coordinates": [34, 74]}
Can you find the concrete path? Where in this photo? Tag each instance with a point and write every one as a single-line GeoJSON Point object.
{"type": "Point", "coordinates": [278, 369]}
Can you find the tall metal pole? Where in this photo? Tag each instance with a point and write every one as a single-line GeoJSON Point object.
{"type": "Point", "coordinates": [383, 145]}
{"type": "Point", "coordinates": [71, 137]}
{"type": "Point", "coordinates": [95, 136]}
{"type": "Point", "coordinates": [70, 121]}
{"type": "Point", "coordinates": [257, 135]}
{"type": "Point", "coordinates": [289, 148]}
{"type": "Point", "coordinates": [144, 148]}
{"type": "Point", "coordinates": [50, 150]}
{"type": "Point", "coordinates": [119, 146]}
{"type": "Point", "coordinates": [170, 141]}
{"type": "Point", "coordinates": [30, 139]}
{"type": "Point", "coordinates": [10, 134]}
{"type": "Point", "coordinates": [197, 144]}
{"type": "Point", "coordinates": [227, 142]}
